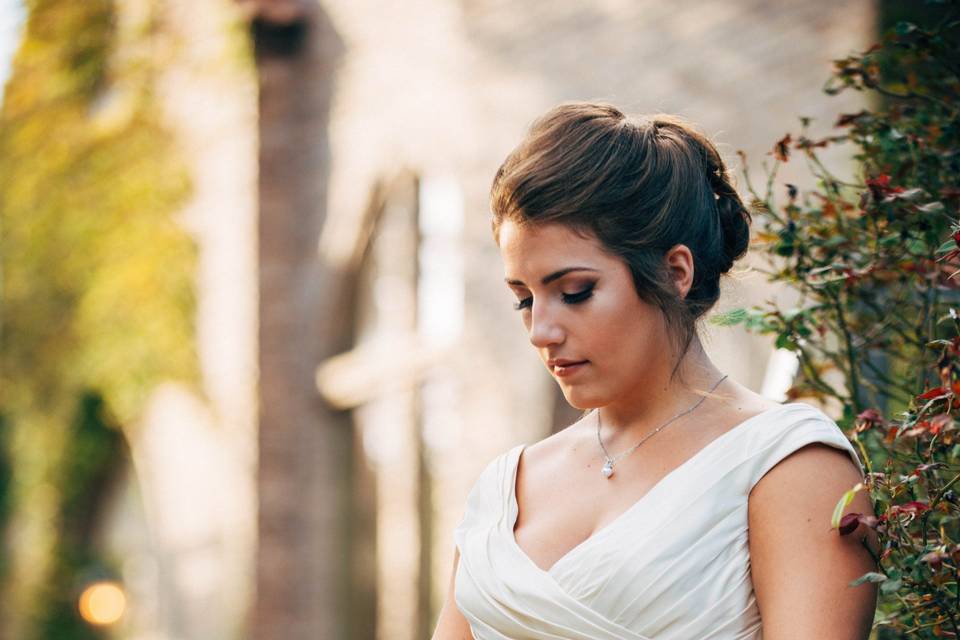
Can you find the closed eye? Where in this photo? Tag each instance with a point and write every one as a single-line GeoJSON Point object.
{"type": "Point", "coordinates": [576, 298]}
{"type": "Point", "coordinates": [523, 304]}
{"type": "Point", "coordinates": [568, 298]}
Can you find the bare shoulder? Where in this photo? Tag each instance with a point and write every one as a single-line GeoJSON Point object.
{"type": "Point", "coordinates": [801, 567]}
{"type": "Point", "coordinates": [737, 406]}
{"type": "Point", "coordinates": [743, 402]}
{"type": "Point", "coordinates": [815, 472]}
{"type": "Point", "coordinates": [554, 448]}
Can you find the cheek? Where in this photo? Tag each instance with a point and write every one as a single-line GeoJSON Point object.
{"type": "Point", "coordinates": [626, 333]}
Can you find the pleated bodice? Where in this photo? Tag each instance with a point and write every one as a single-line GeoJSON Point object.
{"type": "Point", "coordinates": [674, 566]}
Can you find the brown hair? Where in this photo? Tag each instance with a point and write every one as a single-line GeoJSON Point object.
{"type": "Point", "coordinates": [640, 185]}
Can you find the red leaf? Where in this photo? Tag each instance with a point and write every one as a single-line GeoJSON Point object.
{"type": "Point", "coordinates": [781, 150]}
{"type": "Point", "coordinates": [932, 393]}
{"type": "Point", "coordinates": [950, 192]}
{"type": "Point", "coordinates": [868, 419]}
{"type": "Point", "coordinates": [954, 348]}
{"type": "Point", "coordinates": [914, 507]}
{"type": "Point", "coordinates": [950, 255]}
{"type": "Point", "coordinates": [891, 435]}
{"type": "Point", "coordinates": [879, 186]}
{"type": "Point", "coordinates": [940, 422]}
{"type": "Point", "coordinates": [934, 559]}
{"type": "Point", "coordinates": [849, 118]}
{"type": "Point", "coordinates": [849, 523]}
{"type": "Point", "coordinates": [882, 181]}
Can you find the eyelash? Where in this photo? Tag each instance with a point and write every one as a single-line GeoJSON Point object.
{"type": "Point", "coordinates": [572, 298]}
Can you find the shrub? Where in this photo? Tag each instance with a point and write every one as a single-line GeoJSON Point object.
{"type": "Point", "coordinates": [876, 262]}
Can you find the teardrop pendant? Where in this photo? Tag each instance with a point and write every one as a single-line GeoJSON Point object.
{"type": "Point", "coordinates": [607, 470]}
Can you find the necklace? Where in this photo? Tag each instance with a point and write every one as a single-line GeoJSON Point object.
{"type": "Point", "coordinates": [607, 469]}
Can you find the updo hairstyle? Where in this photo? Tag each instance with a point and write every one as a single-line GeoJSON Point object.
{"type": "Point", "coordinates": [640, 185]}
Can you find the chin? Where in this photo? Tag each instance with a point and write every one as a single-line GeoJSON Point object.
{"type": "Point", "coordinates": [577, 399]}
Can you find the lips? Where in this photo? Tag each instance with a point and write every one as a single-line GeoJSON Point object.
{"type": "Point", "coordinates": [562, 362]}
{"type": "Point", "coordinates": [562, 367]}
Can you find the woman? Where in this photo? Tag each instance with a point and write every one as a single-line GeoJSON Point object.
{"type": "Point", "coordinates": [614, 233]}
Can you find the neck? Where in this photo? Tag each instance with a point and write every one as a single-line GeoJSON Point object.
{"type": "Point", "coordinates": [661, 398]}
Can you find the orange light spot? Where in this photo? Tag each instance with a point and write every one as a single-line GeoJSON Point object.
{"type": "Point", "coordinates": [102, 603]}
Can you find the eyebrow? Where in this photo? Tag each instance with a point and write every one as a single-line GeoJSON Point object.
{"type": "Point", "coordinates": [553, 276]}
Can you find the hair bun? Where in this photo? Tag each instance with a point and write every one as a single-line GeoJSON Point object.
{"type": "Point", "coordinates": [733, 214]}
{"type": "Point", "coordinates": [735, 227]}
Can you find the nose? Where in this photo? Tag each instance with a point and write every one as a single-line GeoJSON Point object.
{"type": "Point", "coordinates": [544, 329]}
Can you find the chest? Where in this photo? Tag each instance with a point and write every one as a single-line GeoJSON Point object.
{"type": "Point", "coordinates": [680, 547]}
{"type": "Point", "coordinates": [560, 507]}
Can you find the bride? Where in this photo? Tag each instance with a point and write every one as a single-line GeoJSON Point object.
{"type": "Point", "coordinates": [681, 505]}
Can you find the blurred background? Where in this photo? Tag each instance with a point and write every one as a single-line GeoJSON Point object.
{"type": "Point", "coordinates": [255, 343]}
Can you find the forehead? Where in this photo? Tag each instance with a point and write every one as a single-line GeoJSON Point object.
{"type": "Point", "coordinates": [535, 250]}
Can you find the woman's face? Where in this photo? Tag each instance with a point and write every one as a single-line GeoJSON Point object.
{"type": "Point", "coordinates": [578, 304]}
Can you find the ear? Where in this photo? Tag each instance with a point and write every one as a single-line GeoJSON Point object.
{"type": "Point", "coordinates": [679, 261]}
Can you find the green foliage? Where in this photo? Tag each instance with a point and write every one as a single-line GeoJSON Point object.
{"type": "Point", "coordinates": [6, 502]}
{"type": "Point", "coordinates": [97, 292]}
{"type": "Point", "coordinates": [86, 472]}
{"type": "Point", "coordinates": [97, 289]}
{"type": "Point", "coordinates": [877, 327]}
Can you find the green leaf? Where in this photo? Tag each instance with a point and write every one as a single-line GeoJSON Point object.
{"type": "Point", "coordinates": [870, 576]}
{"type": "Point", "coordinates": [729, 318]}
{"type": "Point", "coordinates": [905, 28]}
{"type": "Point", "coordinates": [949, 245]}
{"type": "Point", "coordinates": [790, 314]}
{"type": "Point", "coordinates": [909, 195]}
{"type": "Point", "coordinates": [890, 240]}
{"type": "Point", "coordinates": [784, 341]}
{"type": "Point", "coordinates": [891, 586]}
{"type": "Point", "coordinates": [916, 246]}
{"type": "Point", "coordinates": [931, 207]}
{"type": "Point", "coordinates": [784, 248]}
{"type": "Point", "coordinates": [842, 504]}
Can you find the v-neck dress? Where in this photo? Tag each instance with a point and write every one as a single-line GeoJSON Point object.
{"type": "Point", "coordinates": [674, 566]}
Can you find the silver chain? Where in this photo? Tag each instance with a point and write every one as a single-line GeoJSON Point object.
{"type": "Point", "coordinates": [610, 461]}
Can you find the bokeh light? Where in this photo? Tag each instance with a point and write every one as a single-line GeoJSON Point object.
{"type": "Point", "coordinates": [102, 603]}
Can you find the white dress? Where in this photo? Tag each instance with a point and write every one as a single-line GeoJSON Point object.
{"type": "Point", "coordinates": [674, 566]}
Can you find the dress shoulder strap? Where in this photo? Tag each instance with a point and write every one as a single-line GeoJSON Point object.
{"type": "Point", "coordinates": [488, 498]}
{"type": "Point", "coordinates": [797, 426]}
